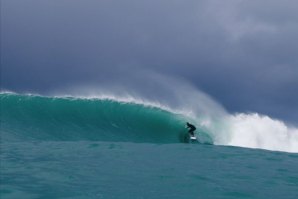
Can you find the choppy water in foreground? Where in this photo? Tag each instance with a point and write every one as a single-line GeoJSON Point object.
{"type": "Point", "coordinates": [91, 169]}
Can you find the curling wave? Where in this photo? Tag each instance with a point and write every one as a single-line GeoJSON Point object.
{"type": "Point", "coordinates": [32, 117]}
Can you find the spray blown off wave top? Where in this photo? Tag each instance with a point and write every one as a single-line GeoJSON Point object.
{"type": "Point", "coordinates": [32, 117]}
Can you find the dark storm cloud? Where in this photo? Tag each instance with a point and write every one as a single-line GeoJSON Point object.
{"type": "Point", "coordinates": [243, 53]}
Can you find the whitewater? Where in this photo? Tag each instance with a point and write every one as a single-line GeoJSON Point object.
{"type": "Point", "coordinates": [115, 145]}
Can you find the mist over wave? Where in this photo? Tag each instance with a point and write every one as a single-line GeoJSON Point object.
{"type": "Point", "coordinates": [31, 117]}
{"type": "Point", "coordinates": [154, 110]}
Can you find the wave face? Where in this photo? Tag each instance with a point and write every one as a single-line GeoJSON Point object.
{"type": "Point", "coordinates": [31, 117]}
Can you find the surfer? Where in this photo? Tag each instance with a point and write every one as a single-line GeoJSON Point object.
{"type": "Point", "coordinates": [191, 128]}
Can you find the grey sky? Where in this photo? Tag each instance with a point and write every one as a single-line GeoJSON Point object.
{"type": "Point", "coordinates": [241, 52]}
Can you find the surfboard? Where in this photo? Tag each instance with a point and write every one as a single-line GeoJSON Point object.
{"type": "Point", "coordinates": [190, 139]}
{"type": "Point", "coordinates": [193, 138]}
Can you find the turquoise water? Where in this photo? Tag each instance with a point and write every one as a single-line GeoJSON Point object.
{"type": "Point", "coordinates": [102, 148]}
{"type": "Point", "coordinates": [29, 117]}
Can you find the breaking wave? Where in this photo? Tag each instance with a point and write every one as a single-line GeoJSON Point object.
{"type": "Point", "coordinates": [35, 117]}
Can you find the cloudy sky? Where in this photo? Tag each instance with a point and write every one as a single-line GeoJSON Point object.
{"type": "Point", "coordinates": [243, 53]}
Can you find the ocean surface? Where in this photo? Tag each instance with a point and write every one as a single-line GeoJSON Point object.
{"type": "Point", "coordinates": [105, 147]}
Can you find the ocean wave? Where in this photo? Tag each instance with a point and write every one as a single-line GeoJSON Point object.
{"type": "Point", "coordinates": [128, 119]}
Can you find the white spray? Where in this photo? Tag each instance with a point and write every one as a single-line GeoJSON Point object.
{"type": "Point", "coordinates": [244, 130]}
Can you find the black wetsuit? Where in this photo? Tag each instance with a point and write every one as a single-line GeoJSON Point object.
{"type": "Point", "coordinates": [191, 130]}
